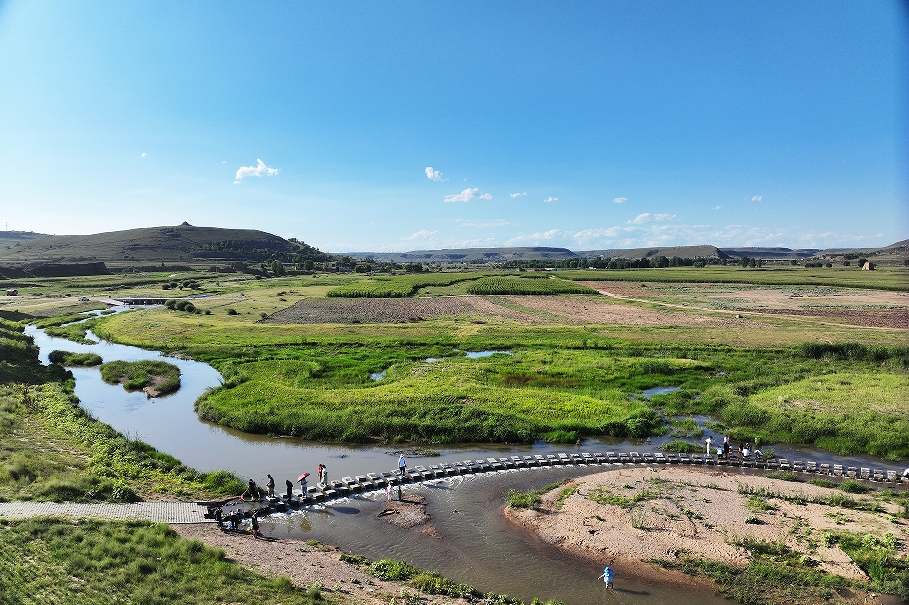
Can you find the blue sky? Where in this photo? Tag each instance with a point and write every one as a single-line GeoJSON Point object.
{"type": "Point", "coordinates": [389, 126]}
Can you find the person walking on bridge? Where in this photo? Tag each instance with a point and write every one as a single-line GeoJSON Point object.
{"type": "Point", "coordinates": [402, 465]}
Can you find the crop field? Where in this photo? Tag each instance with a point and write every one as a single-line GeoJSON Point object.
{"type": "Point", "coordinates": [398, 286]}
{"type": "Point", "coordinates": [523, 285]}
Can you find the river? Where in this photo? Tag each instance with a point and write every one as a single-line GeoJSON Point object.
{"type": "Point", "coordinates": [478, 546]}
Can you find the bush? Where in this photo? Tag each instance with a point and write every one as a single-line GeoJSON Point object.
{"type": "Point", "coordinates": [232, 312]}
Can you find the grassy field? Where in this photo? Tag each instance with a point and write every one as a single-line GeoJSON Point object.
{"type": "Point", "coordinates": [562, 382]}
{"type": "Point", "coordinates": [50, 449]}
{"type": "Point", "coordinates": [88, 562]}
{"type": "Point", "coordinates": [565, 380]}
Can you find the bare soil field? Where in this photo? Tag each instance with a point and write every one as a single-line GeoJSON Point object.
{"type": "Point", "coordinates": [871, 308]}
{"type": "Point", "coordinates": [625, 518]}
{"type": "Point", "coordinates": [389, 310]}
{"type": "Point", "coordinates": [585, 309]}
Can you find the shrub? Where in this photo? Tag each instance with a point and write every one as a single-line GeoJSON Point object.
{"type": "Point", "coordinates": [232, 312]}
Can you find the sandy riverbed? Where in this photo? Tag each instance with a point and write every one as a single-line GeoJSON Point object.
{"type": "Point", "coordinates": [698, 513]}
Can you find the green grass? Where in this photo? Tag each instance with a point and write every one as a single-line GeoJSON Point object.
{"type": "Point", "coordinates": [530, 498]}
{"type": "Point", "coordinates": [432, 583]}
{"type": "Point", "coordinates": [163, 377]}
{"type": "Point", "coordinates": [885, 278]}
{"type": "Point", "coordinates": [87, 561]}
{"type": "Point", "coordinates": [68, 358]}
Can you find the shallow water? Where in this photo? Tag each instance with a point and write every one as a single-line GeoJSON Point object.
{"type": "Point", "coordinates": [477, 546]}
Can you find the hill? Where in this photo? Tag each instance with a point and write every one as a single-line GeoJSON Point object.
{"type": "Point", "coordinates": [183, 244]}
{"type": "Point", "coordinates": [668, 252]}
{"type": "Point", "coordinates": [8, 239]}
{"type": "Point", "coordinates": [469, 255]}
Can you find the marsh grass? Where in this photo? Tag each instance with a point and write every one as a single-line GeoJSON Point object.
{"type": "Point", "coordinates": [88, 561]}
{"type": "Point", "coordinates": [134, 375]}
{"type": "Point", "coordinates": [68, 358]}
{"type": "Point", "coordinates": [76, 332]}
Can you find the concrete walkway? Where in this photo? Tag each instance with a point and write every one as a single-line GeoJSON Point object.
{"type": "Point", "coordinates": [165, 512]}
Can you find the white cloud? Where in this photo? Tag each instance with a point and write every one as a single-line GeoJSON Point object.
{"type": "Point", "coordinates": [717, 207]}
{"type": "Point", "coordinates": [589, 234]}
{"type": "Point", "coordinates": [258, 170]}
{"type": "Point", "coordinates": [757, 198]}
{"type": "Point", "coordinates": [647, 217]}
{"type": "Point", "coordinates": [550, 199]}
{"type": "Point", "coordinates": [619, 200]}
{"type": "Point", "coordinates": [422, 234]}
{"type": "Point", "coordinates": [536, 238]}
{"type": "Point", "coordinates": [493, 223]}
{"type": "Point", "coordinates": [517, 194]}
{"type": "Point", "coordinates": [466, 195]}
{"type": "Point", "coordinates": [433, 175]}
{"type": "Point", "coordinates": [143, 154]}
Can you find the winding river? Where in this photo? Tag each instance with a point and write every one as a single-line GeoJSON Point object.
{"type": "Point", "coordinates": [478, 546]}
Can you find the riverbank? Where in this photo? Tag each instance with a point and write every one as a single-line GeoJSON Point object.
{"type": "Point", "coordinates": [306, 563]}
{"type": "Point", "coordinates": [667, 524]}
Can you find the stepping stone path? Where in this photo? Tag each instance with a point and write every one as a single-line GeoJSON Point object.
{"type": "Point", "coordinates": [188, 512]}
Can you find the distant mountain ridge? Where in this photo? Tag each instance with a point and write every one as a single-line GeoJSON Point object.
{"type": "Point", "coordinates": [542, 253]}
{"type": "Point", "coordinates": [186, 244]}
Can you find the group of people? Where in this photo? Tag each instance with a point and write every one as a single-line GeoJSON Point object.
{"type": "Point", "coordinates": [254, 492]}
{"type": "Point", "coordinates": [723, 450]}
{"type": "Point", "coordinates": [233, 521]}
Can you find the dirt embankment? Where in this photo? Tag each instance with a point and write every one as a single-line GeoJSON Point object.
{"type": "Point", "coordinates": [628, 517]}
